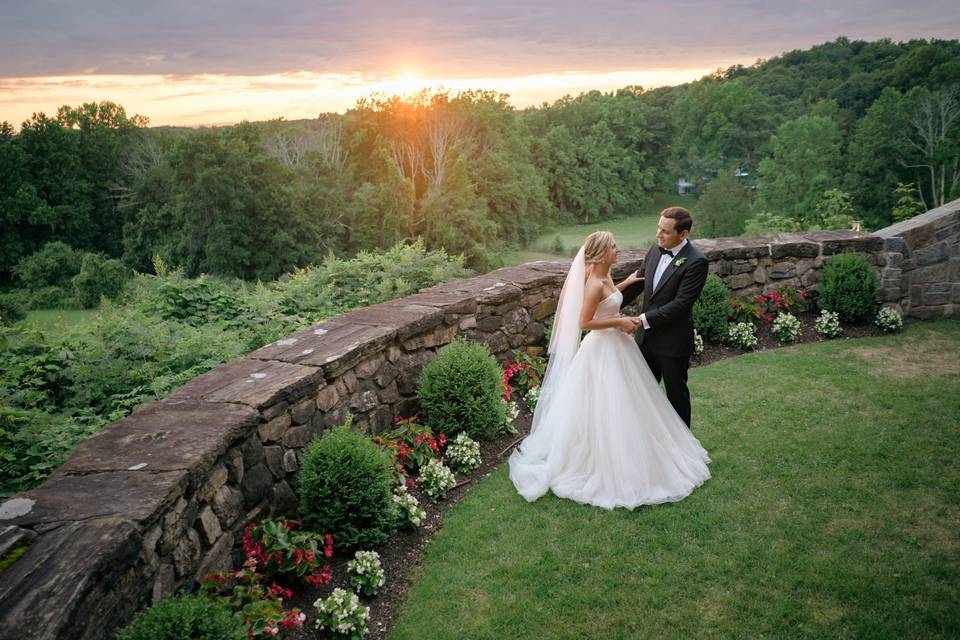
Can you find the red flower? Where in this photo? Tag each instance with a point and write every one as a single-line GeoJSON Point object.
{"type": "Point", "coordinates": [328, 545]}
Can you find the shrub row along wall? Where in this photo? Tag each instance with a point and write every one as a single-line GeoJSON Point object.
{"type": "Point", "coordinates": [158, 500]}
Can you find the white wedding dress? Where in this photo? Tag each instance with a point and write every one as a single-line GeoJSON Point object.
{"type": "Point", "coordinates": [603, 432]}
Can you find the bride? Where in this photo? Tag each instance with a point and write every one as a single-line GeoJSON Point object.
{"type": "Point", "coordinates": [603, 433]}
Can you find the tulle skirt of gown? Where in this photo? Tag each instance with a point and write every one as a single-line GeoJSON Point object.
{"type": "Point", "coordinates": [608, 436]}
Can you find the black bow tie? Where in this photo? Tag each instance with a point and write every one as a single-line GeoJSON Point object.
{"type": "Point", "coordinates": [664, 252]}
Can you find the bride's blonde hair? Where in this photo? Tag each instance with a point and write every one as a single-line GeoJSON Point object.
{"type": "Point", "coordinates": [596, 246]}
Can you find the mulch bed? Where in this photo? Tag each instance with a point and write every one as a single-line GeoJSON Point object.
{"type": "Point", "coordinates": [404, 549]}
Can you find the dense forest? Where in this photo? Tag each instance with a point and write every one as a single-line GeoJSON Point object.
{"type": "Point", "coordinates": [811, 139]}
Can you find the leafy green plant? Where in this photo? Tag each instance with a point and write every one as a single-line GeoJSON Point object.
{"type": "Point", "coordinates": [460, 390]}
{"type": "Point", "coordinates": [827, 324]}
{"type": "Point", "coordinates": [260, 607]}
{"type": "Point", "coordinates": [889, 320]}
{"type": "Point", "coordinates": [98, 276]}
{"type": "Point", "coordinates": [194, 617]}
{"type": "Point", "coordinates": [51, 266]}
{"type": "Point", "coordinates": [279, 547]}
{"type": "Point", "coordinates": [742, 335]}
{"type": "Point", "coordinates": [342, 615]}
{"type": "Point", "coordinates": [786, 327]}
{"type": "Point", "coordinates": [345, 488]}
{"type": "Point", "coordinates": [13, 308]}
{"type": "Point", "coordinates": [436, 479]}
{"type": "Point", "coordinates": [463, 453]}
{"type": "Point", "coordinates": [411, 444]}
{"type": "Point", "coordinates": [711, 310]}
{"type": "Point", "coordinates": [366, 572]}
{"type": "Point", "coordinates": [849, 287]}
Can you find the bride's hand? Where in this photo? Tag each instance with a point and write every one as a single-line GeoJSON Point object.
{"type": "Point", "coordinates": [630, 279]}
{"type": "Point", "coordinates": [628, 325]}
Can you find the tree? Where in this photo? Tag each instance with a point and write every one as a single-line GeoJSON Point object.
{"type": "Point", "coordinates": [805, 163]}
{"type": "Point", "coordinates": [874, 158]}
{"type": "Point", "coordinates": [934, 135]}
{"type": "Point", "coordinates": [723, 207]}
{"type": "Point", "coordinates": [907, 205]}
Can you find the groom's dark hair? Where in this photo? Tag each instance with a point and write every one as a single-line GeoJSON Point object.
{"type": "Point", "coordinates": [683, 221]}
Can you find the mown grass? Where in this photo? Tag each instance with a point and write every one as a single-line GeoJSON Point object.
{"type": "Point", "coordinates": [59, 318]}
{"type": "Point", "coordinates": [632, 232]}
{"type": "Point", "coordinates": [834, 512]}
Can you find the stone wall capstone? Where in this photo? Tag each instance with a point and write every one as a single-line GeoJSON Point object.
{"type": "Point", "coordinates": [156, 501]}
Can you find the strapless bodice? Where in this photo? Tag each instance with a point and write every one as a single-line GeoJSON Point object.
{"type": "Point", "coordinates": [609, 307]}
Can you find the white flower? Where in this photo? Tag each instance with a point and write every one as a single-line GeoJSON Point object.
{"type": "Point", "coordinates": [827, 324]}
{"type": "Point", "coordinates": [889, 320]}
{"type": "Point", "coordinates": [436, 479]}
{"type": "Point", "coordinates": [742, 335]}
{"type": "Point", "coordinates": [463, 453]}
{"type": "Point", "coordinates": [786, 327]}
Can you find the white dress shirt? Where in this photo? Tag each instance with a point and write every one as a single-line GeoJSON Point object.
{"type": "Point", "coordinates": [665, 260]}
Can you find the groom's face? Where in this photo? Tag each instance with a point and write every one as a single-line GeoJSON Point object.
{"type": "Point", "coordinates": [667, 235]}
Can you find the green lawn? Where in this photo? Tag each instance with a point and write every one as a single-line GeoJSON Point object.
{"type": "Point", "coordinates": [632, 232]}
{"type": "Point", "coordinates": [833, 512]}
{"type": "Point", "coordinates": [66, 318]}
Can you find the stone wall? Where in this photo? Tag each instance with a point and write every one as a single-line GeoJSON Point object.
{"type": "Point", "coordinates": [156, 501]}
{"type": "Point", "coordinates": [922, 274]}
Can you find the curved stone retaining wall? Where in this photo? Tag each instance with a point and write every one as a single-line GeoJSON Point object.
{"type": "Point", "coordinates": [156, 501]}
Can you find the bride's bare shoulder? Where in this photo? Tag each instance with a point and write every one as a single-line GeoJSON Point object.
{"type": "Point", "coordinates": [593, 287]}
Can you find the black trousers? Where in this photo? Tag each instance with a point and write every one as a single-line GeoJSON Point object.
{"type": "Point", "coordinates": [673, 372]}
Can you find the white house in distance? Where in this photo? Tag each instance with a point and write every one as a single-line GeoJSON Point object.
{"type": "Point", "coordinates": [684, 187]}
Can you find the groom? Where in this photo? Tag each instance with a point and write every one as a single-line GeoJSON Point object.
{"type": "Point", "coordinates": [674, 272]}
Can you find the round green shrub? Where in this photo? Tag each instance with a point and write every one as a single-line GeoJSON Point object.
{"type": "Point", "coordinates": [99, 276]}
{"type": "Point", "coordinates": [346, 489]}
{"type": "Point", "coordinates": [461, 389]}
{"type": "Point", "coordinates": [51, 266]}
{"type": "Point", "coordinates": [51, 298]}
{"type": "Point", "coordinates": [712, 310]}
{"type": "Point", "coordinates": [13, 308]}
{"type": "Point", "coordinates": [193, 617]}
{"type": "Point", "coordinates": [849, 287]}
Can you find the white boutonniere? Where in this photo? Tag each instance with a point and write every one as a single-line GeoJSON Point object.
{"type": "Point", "coordinates": [679, 261]}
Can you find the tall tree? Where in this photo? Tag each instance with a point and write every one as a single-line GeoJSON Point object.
{"type": "Point", "coordinates": [805, 163]}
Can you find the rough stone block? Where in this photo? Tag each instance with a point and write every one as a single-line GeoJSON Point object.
{"type": "Point", "coordinates": [930, 274]}
{"type": "Point", "coordinates": [186, 554]}
{"type": "Point", "coordinates": [364, 401]}
{"type": "Point", "coordinates": [209, 525]}
{"type": "Point", "coordinates": [303, 411]}
{"type": "Point", "coordinates": [297, 437]}
{"type": "Point", "coordinates": [256, 381]}
{"type": "Point", "coordinates": [137, 496]}
{"type": "Point", "coordinates": [390, 394]}
{"type": "Point", "coordinates": [290, 463]}
{"type": "Point", "coordinates": [216, 559]}
{"type": "Point", "coordinates": [436, 338]}
{"type": "Point", "coordinates": [274, 458]}
{"type": "Point", "coordinates": [282, 499]}
{"type": "Point", "coordinates": [233, 461]}
{"type": "Point", "coordinates": [273, 431]}
{"type": "Point", "coordinates": [327, 398]}
{"type": "Point", "coordinates": [64, 586]}
{"type": "Point", "coordinates": [228, 505]}
{"type": "Point", "coordinates": [369, 367]}
{"type": "Point", "coordinates": [256, 484]}
{"type": "Point", "coordinates": [164, 582]}
{"type": "Point", "coordinates": [387, 374]}
{"type": "Point", "coordinates": [252, 450]}
{"type": "Point", "coordinates": [164, 436]}
{"type": "Point", "coordinates": [274, 410]}
{"type": "Point", "coordinates": [740, 281]}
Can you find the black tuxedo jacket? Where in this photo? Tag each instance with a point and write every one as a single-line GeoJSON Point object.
{"type": "Point", "coordinates": [669, 308]}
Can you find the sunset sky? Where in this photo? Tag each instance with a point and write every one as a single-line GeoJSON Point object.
{"type": "Point", "coordinates": [191, 62]}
